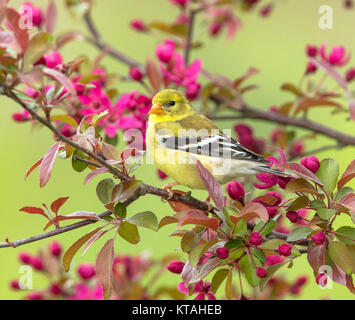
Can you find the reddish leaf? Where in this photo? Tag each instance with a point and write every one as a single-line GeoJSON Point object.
{"type": "Point", "coordinates": [73, 216]}
{"type": "Point", "coordinates": [95, 237]}
{"type": "Point", "coordinates": [55, 206]}
{"type": "Point", "coordinates": [348, 201]}
{"type": "Point", "coordinates": [167, 220]}
{"type": "Point", "coordinates": [34, 210]}
{"type": "Point", "coordinates": [61, 78]}
{"type": "Point", "coordinates": [292, 88]}
{"type": "Point", "coordinates": [347, 175]}
{"type": "Point", "coordinates": [21, 34]}
{"type": "Point", "coordinates": [33, 167]}
{"type": "Point", "coordinates": [195, 216]}
{"type": "Point", "coordinates": [103, 267]}
{"type": "Point", "coordinates": [307, 103]}
{"type": "Point", "coordinates": [153, 74]}
{"type": "Point", "coordinates": [331, 71]}
{"type": "Point", "coordinates": [47, 164]}
{"type": "Point", "coordinates": [70, 253]}
{"type": "Point", "coordinates": [315, 256]}
{"type": "Point", "coordinates": [51, 17]}
{"type": "Point", "coordinates": [94, 173]}
{"type": "Point", "coordinates": [352, 108]}
{"type": "Point", "coordinates": [212, 186]}
{"type": "Point", "coordinates": [250, 211]}
{"type": "Point", "coordinates": [301, 185]}
{"type": "Point", "coordinates": [300, 171]}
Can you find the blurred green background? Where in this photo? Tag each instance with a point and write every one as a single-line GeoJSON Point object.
{"type": "Point", "coordinates": [276, 45]}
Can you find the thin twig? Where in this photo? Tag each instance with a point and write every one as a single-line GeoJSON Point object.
{"type": "Point", "coordinates": [189, 38]}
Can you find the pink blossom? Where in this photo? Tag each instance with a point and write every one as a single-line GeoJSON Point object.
{"type": "Point", "coordinates": [179, 73]}
{"type": "Point", "coordinates": [202, 289]}
{"type": "Point", "coordinates": [36, 263]}
{"type": "Point", "coordinates": [312, 51]}
{"type": "Point", "coordinates": [84, 292]}
{"type": "Point", "coordinates": [21, 116]}
{"type": "Point", "coordinates": [35, 295]}
{"type": "Point", "coordinates": [223, 18]}
{"type": "Point", "coordinates": [165, 51]}
{"type": "Point", "coordinates": [86, 271]}
{"type": "Point", "coordinates": [193, 90]}
{"type": "Point", "coordinates": [337, 55]}
{"type": "Point", "coordinates": [53, 59]}
{"type": "Point", "coordinates": [273, 259]}
{"type": "Point", "coordinates": [136, 74]}
{"type": "Point", "coordinates": [235, 190]}
{"type": "Point", "coordinates": [37, 16]}
{"type": "Point", "coordinates": [24, 257]}
{"type": "Point", "coordinates": [350, 75]}
{"type": "Point", "coordinates": [181, 3]}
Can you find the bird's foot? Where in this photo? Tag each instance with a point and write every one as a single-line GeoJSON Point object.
{"type": "Point", "coordinates": [167, 188]}
{"type": "Point", "coordinates": [208, 202]}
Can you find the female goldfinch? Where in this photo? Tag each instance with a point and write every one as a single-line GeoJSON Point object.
{"type": "Point", "coordinates": [177, 136]}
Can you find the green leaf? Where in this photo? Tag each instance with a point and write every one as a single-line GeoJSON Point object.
{"type": "Point", "coordinates": [124, 190]}
{"type": "Point", "coordinates": [271, 225]}
{"type": "Point", "coordinates": [218, 279]}
{"type": "Point", "coordinates": [325, 213]}
{"type": "Point", "coordinates": [348, 232]}
{"type": "Point", "coordinates": [249, 270]}
{"type": "Point", "coordinates": [236, 243]}
{"type": "Point", "coordinates": [120, 210]}
{"type": "Point", "coordinates": [39, 45]}
{"type": "Point", "coordinates": [341, 256]}
{"type": "Point", "coordinates": [129, 232]}
{"type": "Point", "coordinates": [299, 203]}
{"type": "Point", "coordinates": [241, 228]}
{"type": "Point", "coordinates": [104, 190]}
{"type": "Point", "coordinates": [260, 255]}
{"type": "Point", "coordinates": [316, 204]}
{"type": "Point", "coordinates": [78, 165]}
{"type": "Point", "coordinates": [299, 233]}
{"type": "Point", "coordinates": [328, 174]}
{"type": "Point", "coordinates": [145, 219]}
{"type": "Point", "coordinates": [188, 241]}
{"type": "Point", "coordinates": [342, 192]}
{"type": "Point", "coordinates": [198, 251]}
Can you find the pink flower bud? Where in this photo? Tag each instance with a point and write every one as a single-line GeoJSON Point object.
{"type": "Point", "coordinates": [311, 51]}
{"type": "Point", "coordinates": [261, 272]}
{"type": "Point", "coordinates": [165, 51]}
{"type": "Point", "coordinates": [273, 259]}
{"type": "Point", "coordinates": [14, 285]}
{"type": "Point", "coordinates": [136, 74]}
{"type": "Point", "coordinates": [192, 90]}
{"type": "Point", "coordinates": [311, 68]}
{"type": "Point", "coordinates": [36, 263]}
{"type": "Point", "coordinates": [311, 163]}
{"type": "Point", "coordinates": [301, 280]}
{"type": "Point", "coordinates": [322, 279]}
{"type": "Point", "coordinates": [272, 211]}
{"type": "Point", "coordinates": [350, 75]}
{"type": "Point", "coordinates": [255, 239]}
{"type": "Point", "coordinates": [55, 248]}
{"type": "Point", "coordinates": [20, 116]}
{"type": "Point", "coordinates": [266, 10]}
{"type": "Point", "coordinates": [36, 295]}
{"type": "Point", "coordinates": [285, 249]}
{"type": "Point", "coordinates": [214, 28]}
{"type": "Point", "coordinates": [275, 135]}
{"type": "Point", "coordinates": [86, 271]}
{"type": "Point", "coordinates": [235, 190]}
{"type": "Point", "coordinates": [162, 175]}
{"type": "Point", "coordinates": [181, 3]}
{"type": "Point", "coordinates": [79, 88]}
{"type": "Point", "coordinates": [348, 4]}
{"type": "Point", "coordinates": [53, 59]}
{"type": "Point", "coordinates": [37, 16]}
{"type": "Point", "coordinates": [243, 130]}
{"type": "Point", "coordinates": [222, 253]}
{"type": "Point", "coordinates": [54, 289]}
{"type": "Point", "coordinates": [292, 216]}
{"type": "Point", "coordinates": [24, 258]}
{"type": "Point", "coordinates": [297, 148]}
{"type": "Point", "coordinates": [139, 25]}
{"type": "Point", "coordinates": [318, 238]}
{"type": "Point", "coordinates": [176, 266]}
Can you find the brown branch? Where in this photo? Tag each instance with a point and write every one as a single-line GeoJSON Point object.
{"type": "Point", "coordinates": [189, 37]}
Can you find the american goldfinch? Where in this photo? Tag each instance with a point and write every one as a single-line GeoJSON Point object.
{"type": "Point", "coordinates": [177, 135]}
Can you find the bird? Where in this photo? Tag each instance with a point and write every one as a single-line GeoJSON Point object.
{"type": "Point", "coordinates": [177, 136]}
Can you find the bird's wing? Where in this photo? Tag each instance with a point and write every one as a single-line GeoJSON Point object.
{"type": "Point", "coordinates": [199, 135]}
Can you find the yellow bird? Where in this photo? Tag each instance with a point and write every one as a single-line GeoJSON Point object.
{"type": "Point", "coordinates": [177, 135]}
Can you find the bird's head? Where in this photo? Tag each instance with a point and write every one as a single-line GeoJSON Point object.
{"type": "Point", "coordinates": [170, 103]}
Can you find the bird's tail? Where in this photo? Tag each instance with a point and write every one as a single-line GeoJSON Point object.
{"type": "Point", "coordinates": [277, 172]}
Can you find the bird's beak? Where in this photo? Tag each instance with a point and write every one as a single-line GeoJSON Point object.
{"type": "Point", "coordinates": [157, 108]}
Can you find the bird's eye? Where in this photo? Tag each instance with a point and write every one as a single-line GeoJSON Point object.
{"type": "Point", "coordinates": [171, 103]}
